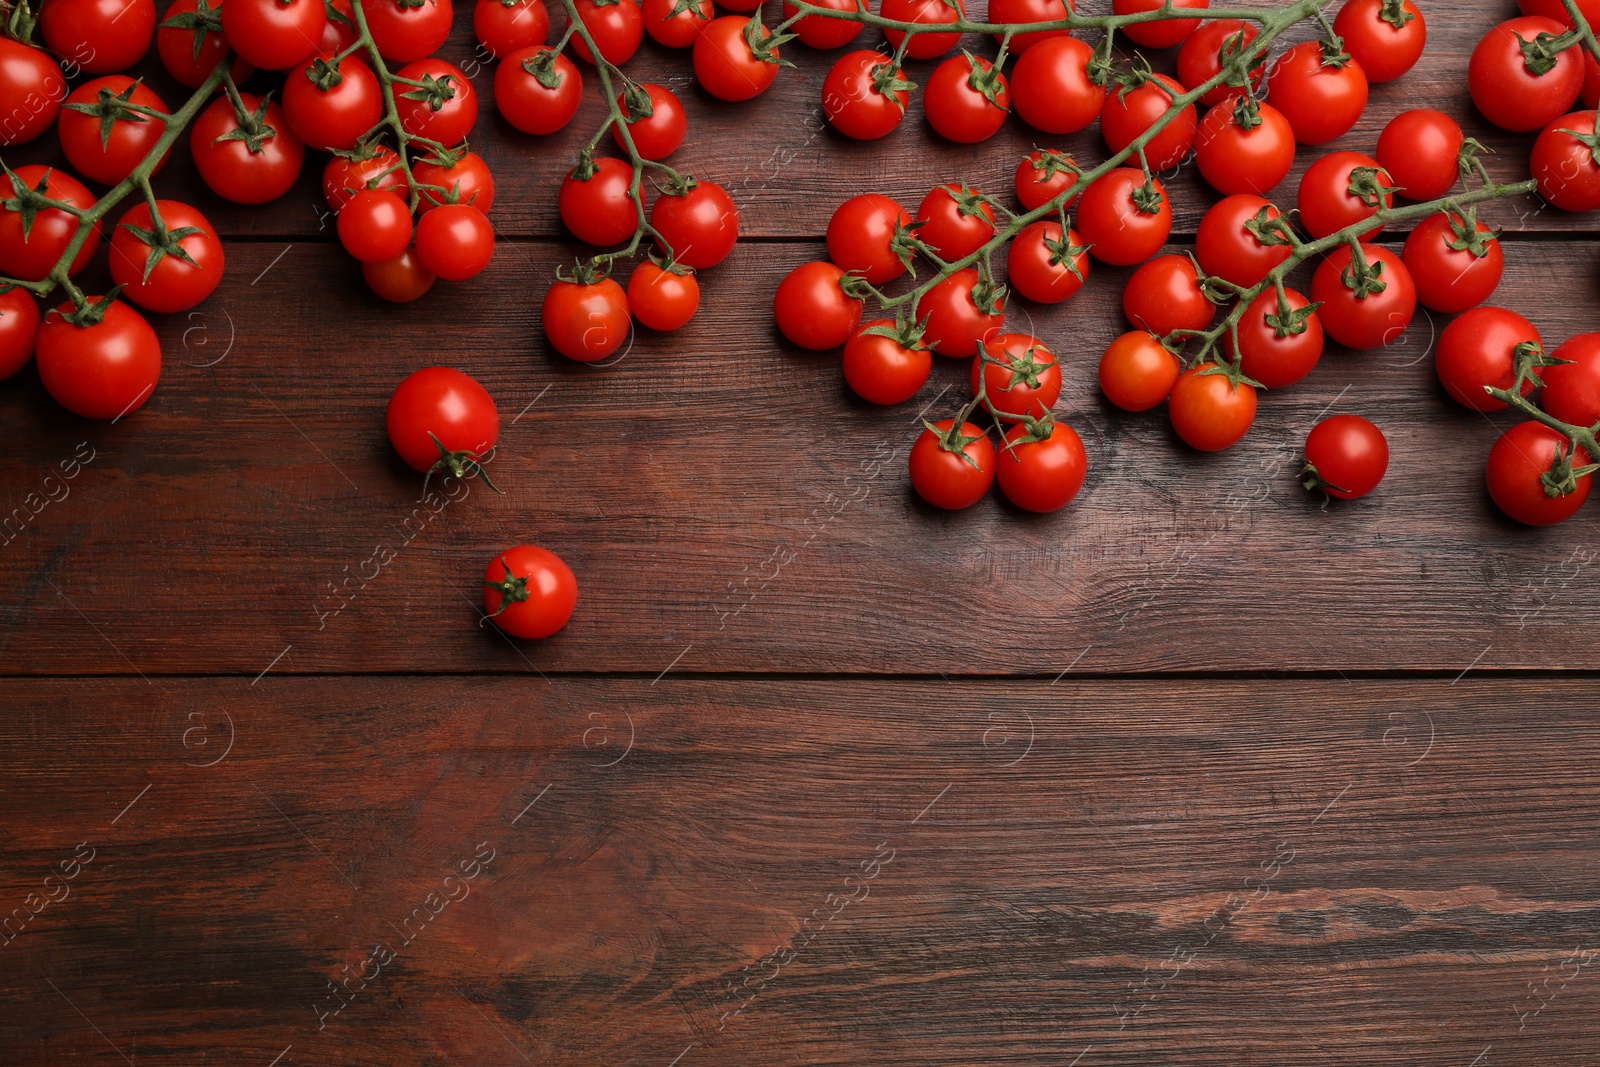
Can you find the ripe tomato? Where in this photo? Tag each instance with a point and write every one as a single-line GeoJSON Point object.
{"type": "Point", "coordinates": [1014, 11]}
{"type": "Point", "coordinates": [1322, 96]}
{"type": "Point", "coordinates": [869, 235]}
{"type": "Point", "coordinates": [506, 26]}
{"type": "Point", "coordinates": [1019, 375]}
{"type": "Point", "coordinates": [586, 321]}
{"type": "Point", "coordinates": [1137, 371]}
{"type": "Point", "coordinates": [966, 99]}
{"type": "Point", "coordinates": [658, 134]}
{"type": "Point", "coordinates": [1419, 150]}
{"type": "Point", "coordinates": [1043, 175]}
{"type": "Point", "coordinates": [1208, 411]}
{"type": "Point", "coordinates": [32, 88]}
{"type": "Point", "coordinates": [455, 242]}
{"type": "Point", "coordinates": [1565, 168]}
{"type": "Point", "coordinates": [445, 108]}
{"type": "Point", "coordinates": [1163, 33]}
{"type": "Point", "coordinates": [101, 371]}
{"type": "Point", "coordinates": [663, 299]}
{"type": "Point", "coordinates": [465, 181]}
{"type": "Point", "coordinates": [1229, 245]}
{"type": "Point", "coordinates": [1164, 295]}
{"type": "Point", "coordinates": [1043, 267]}
{"type": "Point", "coordinates": [1052, 90]}
{"type": "Point", "coordinates": [597, 208]}
{"type": "Point", "coordinates": [700, 224]}
{"type": "Point", "coordinates": [524, 98]}
{"type": "Point", "coordinates": [865, 95]}
{"type": "Point", "coordinates": [408, 30]}
{"type": "Point", "coordinates": [1454, 265]}
{"type": "Point", "coordinates": [375, 225]}
{"type": "Point", "coordinates": [528, 591]}
{"type": "Point", "coordinates": [1529, 474]}
{"type": "Point", "coordinates": [823, 33]}
{"type": "Point", "coordinates": [273, 34]}
{"type": "Point", "coordinates": [1346, 456]}
{"type": "Point", "coordinates": [1361, 313]}
{"type": "Point", "coordinates": [959, 311]}
{"type": "Point", "coordinates": [1041, 474]}
{"type": "Point", "coordinates": [952, 468]}
{"type": "Point", "coordinates": [1244, 148]}
{"type": "Point", "coordinates": [191, 43]}
{"type": "Point", "coordinates": [885, 364]}
{"type": "Point", "coordinates": [107, 153]}
{"type": "Point", "coordinates": [678, 30]}
{"type": "Point", "coordinates": [1125, 219]}
{"type": "Point", "coordinates": [1384, 36]}
{"type": "Point", "coordinates": [956, 221]}
{"type": "Point", "coordinates": [339, 33]}
{"type": "Point", "coordinates": [151, 273]}
{"type": "Point", "coordinates": [733, 59]}
{"type": "Point", "coordinates": [442, 421]}
{"type": "Point", "coordinates": [1517, 81]}
{"type": "Point", "coordinates": [98, 36]}
{"type": "Point", "coordinates": [337, 116]}
{"type": "Point", "coordinates": [247, 170]}
{"type": "Point", "coordinates": [1341, 189]}
{"type": "Point", "coordinates": [1555, 9]}
{"type": "Point", "coordinates": [19, 330]}
{"type": "Point", "coordinates": [1590, 93]}
{"type": "Point", "coordinates": [1278, 345]}
{"type": "Point", "coordinates": [617, 27]}
{"type": "Point", "coordinates": [1478, 349]}
{"type": "Point", "coordinates": [1130, 112]}
{"type": "Point", "coordinates": [1572, 391]}
{"type": "Point", "coordinates": [812, 308]}
{"type": "Point", "coordinates": [30, 254]}
{"type": "Point", "coordinates": [400, 280]}
{"type": "Point", "coordinates": [1200, 58]}
{"type": "Point", "coordinates": [343, 177]}
{"type": "Point", "coordinates": [924, 13]}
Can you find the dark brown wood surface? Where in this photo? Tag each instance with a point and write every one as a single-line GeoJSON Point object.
{"type": "Point", "coordinates": [1192, 773]}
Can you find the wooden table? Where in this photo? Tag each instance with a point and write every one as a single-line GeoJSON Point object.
{"type": "Point", "coordinates": [1190, 773]}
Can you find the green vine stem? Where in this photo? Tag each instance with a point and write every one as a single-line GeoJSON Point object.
{"type": "Point", "coordinates": [1581, 27]}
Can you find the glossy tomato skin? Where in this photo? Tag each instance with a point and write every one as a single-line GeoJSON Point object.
{"type": "Point", "coordinates": [399, 281]}
{"type": "Point", "coordinates": [30, 256]}
{"type": "Point", "coordinates": [447, 403]}
{"type": "Point", "coordinates": [1365, 322]}
{"type": "Point", "coordinates": [453, 118]}
{"type": "Point", "coordinates": [1478, 349]}
{"type": "Point", "coordinates": [1014, 11]}
{"type": "Point", "coordinates": [1350, 455]}
{"type": "Point", "coordinates": [1032, 267]}
{"type": "Point", "coordinates": [679, 30]}
{"type": "Point", "coordinates": [503, 28]}
{"type": "Point", "coordinates": [407, 32]}
{"type": "Point", "coordinates": [852, 101]}
{"type": "Point", "coordinates": [617, 28]}
{"type": "Point", "coordinates": [1590, 93]}
{"type": "Point", "coordinates": [861, 235]}
{"type": "Point", "coordinates": [1130, 112]}
{"type": "Point", "coordinates": [172, 284]}
{"type": "Point", "coordinates": [1042, 476]}
{"type": "Point", "coordinates": [1051, 87]}
{"type": "Point", "coordinates": [1510, 95]}
{"type": "Point", "coordinates": [724, 63]}
{"type": "Point", "coordinates": [547, 583]}
{"type": "Point", "coordinates": [102, 371]}
{"type": "Point", "coordinates": [1555, 9]}
{"type": "Point", "coordinates": [1209, 412]}
{"type": "Point", "coordinates": [1019, 373]}
{"type": "Point", "coordinates": [701, 225]}
{"type": "Point", "coordinates": [528, 104]}
{"type": "Point", "coordinates": [110, 157]}
{"type": "Point", "coordinates": [1165, 33]}
{"type": "Point", "coordinates": [234, 172]}
{"type": "Point", "coordinates": [1137, 371]}
{"type": "Point", "coordinates": [598, 209]}
{"type": "Point", "coordinates": [947, 480]}
{"type": "Point", "coordinates": [1237, 159]}
{"type": "Point", "coordinates": [1277, 362]}
{"type": "Point", "coordinates": [1200, 58]}
{"type": "Point", "coordinates": [98, 36]}
{"type": "Point", "coordinates": [812, 310]}
{"type": "Point", "coordinates": [953, 225]}
{"type": "Point", "coordinates": [1230, 251]}
{"type": "Point", "coordinates": [19, 330]}
{"type": "Point", "coordinates": [586, 322]}
{"type": "Point", "coordinates": [175, 45]}
{"type": "Point", "coordinates": [927, 13]}
{"type": "Point", "coordinates": [375, 225]}
{"type": "Point", "coordinates": [880, 369]}
{"type": "Point", "coordinates": [468, 181]}
{"type": "Point", "coordinates": [1164, 295]}
{"type": "Point", "coordinates": [1451, 279]}
{"type": "Point", "coordinates": [274, 34]}
{"type": "Point", "coordinates": [1419, 150]}
{"type": "Point", "coordinates": [1326, 203]}
{"type": "Point", "coordinates": [343, 178]}
{"type": "Point", "coordinates": [32, 89]}
{"type": "Point", "coordinates": [660, 133]}
{"type": "Point", "coordinates": [955, 323]}
{"type": "Point", "coordinates": [1117, 229]}
{"type": "Point", "coordinates": [1515, 475]}
{"type": "Point", "coordinates": [1567, 173]}
{"type": "Point", "coordinates": [816, 31]}
{"type": "Point", "coordinates": [1037, 182]}
{"type": "Point", "coordinates": [662, 299]}
{"type": "Point", "coordinates": [1384, 50]}
{"type": "Point", "coordinates": [1572, 392]}
{"type": "Point", "coordinates": [1320, 101]}
{"type": "Point", "coordinates": [455, 242]}
{"type": "Point", "coordinates": [957, 110]}
{"type": "Point", "coordinates": [334, 118]}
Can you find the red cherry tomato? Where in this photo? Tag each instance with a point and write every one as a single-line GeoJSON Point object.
{"type": "Point", "coordinates": [663, 299]}
{"type": "Point", "coordinates": [1567, 173]}
{"type": "Point", "coordinates": [812, 308]}
{"type": "Point", "coordinates": [375, 225]}
{"type": "Point", "coordinates": [32, 89]}
{"type": "Point", "coordinates": [1137, 371]}
{"type": "Point", "coordinates": [455, 242]}
{"type": "Point", "coordinates": [1130, 112]}
{"type": "Point", "coordinates": [1019, 373]}
{"type": "Point", "coordinates": [960, 311]}
{"type": "Point", "coordinates": [525, 101]}
{"type": "Point", "coordinates": [659, 134]}
{"type": "Point", "coordinates": [1341, 189]}
{"type": "Point", "coordinates": [1279, 352]}
{"type": "Point", "coordinates": [1572, 391]}
{"type": "Point", "coordinates": [399, 281]}
{"type": "Point", "coordinates": [1478, 349]}
{"type": "Point", "coordinates": [883, 365]}
{"type": "Point", "coordinates": [273, 34]}
{"type": "Point", "coordinates": [405, 30]}
{"type": "Point", "coordinates": [867, 235]}
{"type": "Point", "coordinates": [230, 167]}
{"type": "Point", "coordinates": [598, 208]}
{"type": "Point", "coordinates": [1346, 457]}
{"type": "Point", "coordinates": [153, 276]}
{"type": "Point", "coordinates": [1419, 150]}
{"type": "Point", "coordinates": [726, 62]}
{"type": "Point", "coordinates": [1163, 33]}
{"type": "Point", "coordinates": [1322, 96]}
{"type": "Point", "coordinates": [1360, 314]}
{"type": "Point", "coordinates": [189, 63]}
{"type": "Point", "coordinates": [441, 408]}
{"type": "Point", "coordinates": [19, 330]}
{"type": "Point", "coordinates": [701, 225]}
{"type": "Point", "coordinates": [108, 154]}
{"type": "Point", "coordinates": [1042, 475]}
{"type": "Point", "coordinates": [966, 99]}
{"type": "Point", "coordinates": [1124, 218]}
{"type": "Point", "coordinates": [924, 13]}
{"type": "Point", "coordinates": [1529, 475]}
{"type": "Point", "coordinates": [529, 592]}
{"type": "Point", "coordinates": [1590, 93]}
{"type": "Point", "coordinates": [1164, 295]}
{"type": "Point", "coordinates": [617, 27]}
{"type": "Point", "coordinates": [1209, 412]}
{"type": "Point", "coordinates": [956, 221]}
{"type": "Point", "coordinates": [1519, 91]}
{"type": "Point", "coordinates": [586, 321]}
{"type": "Point", "coordinates": [1200, 58]}
{"type": "Point", "coordinates": [1384, 49]}
{"type": "Point", "coordinates": [1051, 87]}
{"type": "Point", "coordinates": [1454, 266]}
{"type": "Point", "coordinates": [823, 33]}
{"type": "Point", "coordinates": [1015, 11]}
{"type": "Point", "coordinates": [952, 469]}
{"type": "Point", "coordinates": [466, 181]}
{"type": "Point", "coordinates": [30, 254]}
{"type": "Point", "coordinates": [1045, 268]}
{"type": "Point", "coordinates": [678, 30]}
{"type": "Point", "coordinates": [1227, 244]}
{"type": "Point", "coordinates": [101, 371]}
{"type": "Point", "coordinates": [342, 178]}
{"type": "Point", "coordinates": [1244, 149]}
{"type": "Point", "coordinates": [339, 33]}
{"type": "Point", "coordinates": [506, 26]}
{"type": "Point", "coordinates": [1043, 175]}
{"type": "Point", "coordinates": [335, 117]}
{"type": "Point", "coordinates": [449, 109]}
{"type": "Point", "coordinates": [860, 95]}
{"type": "Point", "coordinates": [98, 36]}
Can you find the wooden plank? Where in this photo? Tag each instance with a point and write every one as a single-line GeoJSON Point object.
{"type": "Point", "coordinates": [1121, 872]}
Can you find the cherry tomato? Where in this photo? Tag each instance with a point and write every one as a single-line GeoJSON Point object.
{"type": "Point", "coordinates": [679, 30]}
{"type": "Point", "coordinates": [32, 89]}
{"type": "Point", "coordinates": [152, 275]}
{"type": "Point", "coordinates": [399, 281]}
{"type": "Point", "coordinates": [924, 13]}
{"type": "Point", "coordinates": [1419, 150]}
{"type": "Point", "coordinates": [1346, 456]}
{"type": "Point", "coordinates": [339, 32]}
{"type": "Point", "coordinates": [1322, 96]}
{"type": "Point", "coordinates": [406, 30]}
{"type": "Point", "coordinates": [447, 111]}
{"type": "Point", "coordinates": [1163, 33]}
{"type": "Point", "coordinates": [1164, 295]}
{"type": "Point", "coordinates": [966, 99]}
{"type": "Point", "coordinates": [1384, 36]}
{"type": "Point", "coordinates": [823, 33]}
{"type": "Point", "coordinates": [1043, 267]}
{"type": "Point", "coordinates": [455, 242]}
{"type": "Point", "coordinates": [951, 468]}
{"type": "Point", "coordinates": [1523, 91]}
{"type": "Point", "coordinates": [1042, 475]}
{"type": "Point", "coordinates": [529, 592]}
{"type": "Point", "coordinates": [883, 365]}
{"type": "Point", "coordinates": [1565, 168]}
{"type": "Point", "coordinates": [30, 254]}
{"type": "Point", "coordinates": [862, 95]}
{"type": "Point", "coordinates": [1200, 58]}
{"type": "Point", "coordinates": [1228, 246]}
{"type": "Point", "coordinates": [250, 170]}
{"type": "Point", "coordinates": [19, 330]}
{"type": "Point", "coordinates": [1130, 112]}
{"type": "Point", "coordinates": [586, 321]}
{"type": "Point", "coordinates": [956, 221]}
{"type": "Point", "coordinates": [1529, 475]}
{"type": "Point", "coordinates": [867, 236]}
{"type": "Point", "coordinates": [1125, 219]}
{"type": "Point", "coordinates": [1341, 189]}
{"type": "Point", "coordinates": [1244, 149]}
{"type": "Point", "coordinates": [1137, 371]}
{"type": "Point", "coordinates": [506, 26]}
{"type": "Point", "coordinates": [102, 371]}
{"type": "Point", "coordinates": [1278, 345]}
{"type": "Point", "coordinates": [98, 36]}
{"type": "Point", "coordinates": [1015, 11]}
{"type": "Point", "coordinates": [598, 209]}
{"type": "Point", "coordinates": [1019, 373]}
{"type": "Point", "coordinates": [1555, 9]}
{"type": "Point", "coordinates": [335, 117]}
{"type": "Point", "coordinates": [440, 420]}
{"type": "Point", "coordinates": [1051, 87]}
{"type": "Point", "coordinates": [617, 27]}
{"type": "Point", "coordinates": [1478, 349]}
{"type": "Point", "coordinates": [1043, 175]}
{"type": "Point", "coordinates": [191, 43]}
{"type": "Point", "coordinates": [273, 34]}
{"type": "Point", "coordinates": [1572, 391]}
{"type": "Point", "coordinates": [1454, 266]}
{"type": "Point", "coordinates": [109, 154]}
{"type": "Point", "coordinates": [660, 133]}
{"type": "Point", "coordinates": [375, 225]}
{"type": "Point", "coordinates": [1590, 93]}
{"type": "Point", "coordinates": [1360, 314]}
{"type": "Point", "coordinates": [725, 59]}
{"type": "Point", "coordinates": [525, 101]}
{"type": "Point", "coordinates": [663, 299]}
{"type": "Point", "coordinates": [812, 308]}
{"type": "Point", "coordinates": [959, 311]}
{"type": "Point", "coordinates": [466, 181]}
{"type": "Point", "coordinates": [343, 177]}
{"type": "Point", "coordinates": [700, 225]}
{"type": "Point", "coordinates": [1209, 412]}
